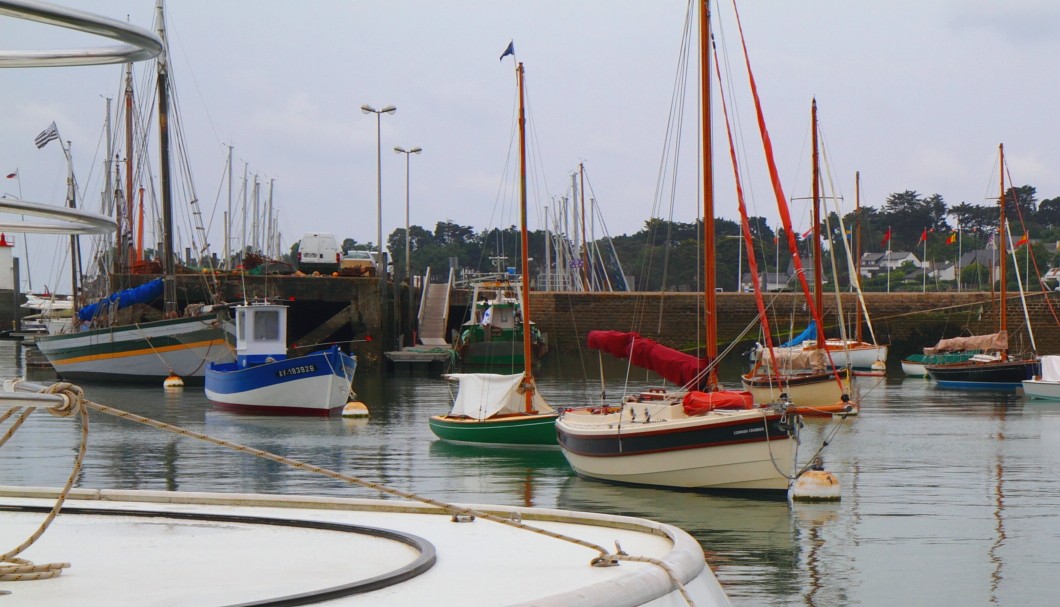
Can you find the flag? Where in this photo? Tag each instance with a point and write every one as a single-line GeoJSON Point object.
{"type": "Point", "coordinates": [509, 51]}
{"type": "Point", "coordinates": [12, 175]}
{"type": "Point", "coordinates": [887, 236]}
{"type": "Point", "coordinates": [1022, 241]}
{"type": "Point", "coordinates": [49, 134]}
{"type": "Point", "coordinates": [952, 239]}
{"type": "Point", "coordinates": [806, 234]}
{"type": "Point", "coordinates": [923, 236]}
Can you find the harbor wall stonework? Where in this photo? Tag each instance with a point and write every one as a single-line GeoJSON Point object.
{"type": "Point", "coordinates": [906, 321]}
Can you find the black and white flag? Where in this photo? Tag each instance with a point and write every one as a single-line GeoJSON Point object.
{"type": "Point", "coordinates": [49, 134]}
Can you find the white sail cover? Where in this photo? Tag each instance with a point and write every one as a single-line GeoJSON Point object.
{"type": "Point", "coordinates": [1051, 368]}
{"type": "Point", "coordinates": [994, 341]}
{"type": "Point", "coordinates": [483, 395]}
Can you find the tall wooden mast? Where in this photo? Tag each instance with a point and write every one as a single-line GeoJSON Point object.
{"type": "Point", "coordinates": [528, 376]}
{"type": "Point", "coordinates": [1001, 246]}
{"type": "Point", "coordinates": [818, 266]}
{"type": "Point", "coordinates": [709, 280]}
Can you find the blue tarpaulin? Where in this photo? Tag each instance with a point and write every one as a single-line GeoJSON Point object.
{"type": "Point", "coordinates": [144, 293]}
{"type": "Point", "coordinates": [808, 334]}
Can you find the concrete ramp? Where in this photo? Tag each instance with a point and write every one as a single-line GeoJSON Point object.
{"type": "Point", "coordinates": [434, 311]}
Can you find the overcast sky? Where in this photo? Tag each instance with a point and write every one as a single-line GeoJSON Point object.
{"type": "Point", "coordinates": [915, 95]}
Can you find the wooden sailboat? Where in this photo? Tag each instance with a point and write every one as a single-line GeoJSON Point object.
{"type": "Point", "coordinates": [498, 409]}
{"type": "Point", "coordinates": [151, 351]}
{"type": "Point", "coordinates": [697, 439]}
{"type": "Point", "coordinates": [996, 368]}
{"type": "Point", "coordinates": [804, 373]}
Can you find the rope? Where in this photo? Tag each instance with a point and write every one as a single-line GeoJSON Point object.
{"type": "Point", "coordinates": [71, 399]}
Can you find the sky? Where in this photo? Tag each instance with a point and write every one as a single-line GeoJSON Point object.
{"type": "Point", "coordinates": [913, 95]}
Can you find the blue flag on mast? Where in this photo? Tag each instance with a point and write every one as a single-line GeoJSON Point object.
{"type": "Point", "coordinates": [509, 51]}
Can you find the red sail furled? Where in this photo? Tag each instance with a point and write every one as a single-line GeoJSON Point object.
{"type": "Point", "coordinates": [673, 365]}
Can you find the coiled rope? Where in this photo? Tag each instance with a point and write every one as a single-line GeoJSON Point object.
{"type": "Point", "coordinates": [63, 399]}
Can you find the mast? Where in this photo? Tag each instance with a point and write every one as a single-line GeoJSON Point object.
{"type": "Point", "coordinates": [1003, 308]}
{"type": "Point", "coordinates": [709, 297]}
{"type": "Point", "coordinates": [169, 295]}
{"type": "Point", "coordinates": [818, 266]}
{"type": "Point", "coordinates": [528, 377]}
{"type": "Point", "coordinates": [127, 257]}
{"type": "Point", "coordinates": [857, 249]}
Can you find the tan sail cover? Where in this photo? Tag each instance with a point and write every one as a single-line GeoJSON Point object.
{"type": "Point", "coordinates": [994, 341]}
{"type": "Point", "coordinates": [795, 359]}
{"type": "Point", "coordinates": [483, 395]}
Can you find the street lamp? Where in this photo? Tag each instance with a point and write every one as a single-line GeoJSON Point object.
{"type": "Point", "coordinates": [408, 246]}
{"type": "Point", "coordinates": [367, 109]}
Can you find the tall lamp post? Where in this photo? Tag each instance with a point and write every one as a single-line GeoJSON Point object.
{"type": "Point", "coordinates": [367, 109]}
{"type": "Point", "coordinates": [408, 246]}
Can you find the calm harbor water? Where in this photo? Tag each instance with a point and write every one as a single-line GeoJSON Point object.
{"type": "Point", "coordinates": [948, 497]}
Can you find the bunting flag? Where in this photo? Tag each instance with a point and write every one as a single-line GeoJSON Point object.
{"type": "Point", "coordinates": [887, 236]}
{"type": "Point", "coordinates": [49, 134]}
{"type": "Point", "coordinates": [12, 175]}
{"type": "Point", "coordinates": [923, 236]}
{"type": "Point", "coordinates": [952, 239]}
{"type": "Point", "coordinates": [509, 51]}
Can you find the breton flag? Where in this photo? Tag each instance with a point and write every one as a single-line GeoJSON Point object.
{"type": "Point", "coordinates": [49, 134]}
{"type": "Point", "coordinates": [952, 239]}
{"type": "Point", "coordinates": [509, 51]}
{"type": "Point", "coordinates": [887, 236]}
{"type": "Point", "coordinates": [923, 236]}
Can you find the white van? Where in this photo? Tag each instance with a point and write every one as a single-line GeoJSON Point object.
{"type": "Point", "coordinates": [318, 252]}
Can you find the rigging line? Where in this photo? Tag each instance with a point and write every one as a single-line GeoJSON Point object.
{"type": "Point", "coordinates": [1030, 252]}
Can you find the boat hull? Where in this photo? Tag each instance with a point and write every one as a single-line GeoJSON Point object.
{"type": "Point", "coordinates": [142, 353]}
{"type": "Point", "coordinates": [973, 375]}
{"type": "Point", "coordinates": [501, 430]}
{"type": "Point", "coordinates": [314, 384]}
{"type": "Point", "coordinates": [1042, 389]}
{"type": "Point", "coordinates": [738, 451]}
{"type": "Point", "coordinates": [809, 389]}
{"type": "Point", "coordinates": [858, 355]}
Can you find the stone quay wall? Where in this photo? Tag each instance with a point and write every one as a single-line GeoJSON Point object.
{"type": "Point", "coordinates": [906, 321]}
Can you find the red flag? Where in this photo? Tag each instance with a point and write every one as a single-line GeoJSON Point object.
{"type": "Point", "coordinates": [1022, 241]}
{"type": "Point", "coordinates": [887, 236]}
{"type": "Point", "coordinates": [807, 233]}
{"type": "Point", "coordinates": [952, 239]}
{"type": "Point", "coordinates": [923, 236]}
{"type": "Point", "coordinates": [12, 175]}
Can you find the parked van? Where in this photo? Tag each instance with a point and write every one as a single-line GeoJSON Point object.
{"type": "Point", "coordinates": [318, 252]}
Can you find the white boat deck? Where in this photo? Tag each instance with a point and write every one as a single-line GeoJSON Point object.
{"type": "Point", "coordinates": [165, 549]}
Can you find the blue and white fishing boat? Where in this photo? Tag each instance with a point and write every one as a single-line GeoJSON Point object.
{"type": "Point", "coordinates": [264, 380]}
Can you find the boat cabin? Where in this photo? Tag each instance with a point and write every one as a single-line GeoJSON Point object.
{"type": "Point", "coordinates": [261, 334]}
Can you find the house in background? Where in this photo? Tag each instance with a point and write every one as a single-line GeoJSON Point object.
{"type": "Point", "coordinates": [874, 264]}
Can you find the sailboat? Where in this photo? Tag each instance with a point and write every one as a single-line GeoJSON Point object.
{"type": "Point", "coordinates": [804, 370]}
{"type": "Point", "coordinates": [704, 438]}
{"type": "Point", "coordinates": [496, 409]}
{"type": "Point", "coordinates": [107, 348]}
{"type": "Point", "coordinates": [995, 368]}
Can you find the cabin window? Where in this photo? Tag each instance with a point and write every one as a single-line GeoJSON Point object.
{"type": "Point", "coordinates": [267, 325]}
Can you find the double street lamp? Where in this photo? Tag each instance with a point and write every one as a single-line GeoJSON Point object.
{"type": "Point", "coordinates": [367, 109]}
{"type": "Point", "coordinates": [408, 246]}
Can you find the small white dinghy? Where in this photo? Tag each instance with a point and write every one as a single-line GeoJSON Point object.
{"type": "Point", "coordinates": [1047, 385]}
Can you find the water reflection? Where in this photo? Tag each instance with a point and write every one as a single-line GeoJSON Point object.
{"type": "Point", "coordinates": [947, 496]}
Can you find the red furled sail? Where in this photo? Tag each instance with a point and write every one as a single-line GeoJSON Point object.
{"type": "Point", "coordinates": [673, 365]}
